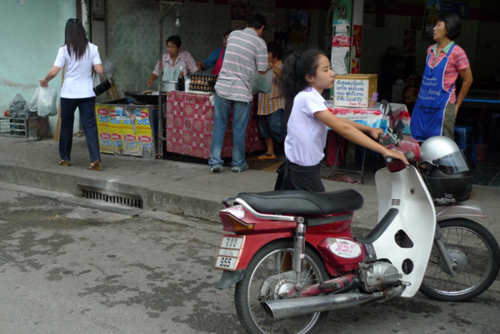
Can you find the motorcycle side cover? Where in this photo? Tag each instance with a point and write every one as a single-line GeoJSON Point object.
{"type": "Point", "coordinates": [405, 191]}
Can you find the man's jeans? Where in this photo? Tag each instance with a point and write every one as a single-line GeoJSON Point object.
{"type": "Point", "coordinates": [222, 110]}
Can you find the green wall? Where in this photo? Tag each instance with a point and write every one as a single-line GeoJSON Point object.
{"type": "Point", "coordinates": [30, 37]}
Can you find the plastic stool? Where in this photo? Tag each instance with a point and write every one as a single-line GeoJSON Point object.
{"type": "Point", "coordinates": [466, 140]}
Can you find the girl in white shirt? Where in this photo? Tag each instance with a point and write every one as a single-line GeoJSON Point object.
{"type": "Point", "coordinates": [80, 57]}
{"type": "Point", "coordinates": [305, 77]}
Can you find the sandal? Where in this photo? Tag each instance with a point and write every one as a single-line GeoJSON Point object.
{"type": "Point", "coordinates": [267, 156]}
{"type": "Point", "coordinates": [95, 166]}
{"type": "Point", "coordinates": [64, 163]}
{"type": "Point", "coordinates": [344, 178]}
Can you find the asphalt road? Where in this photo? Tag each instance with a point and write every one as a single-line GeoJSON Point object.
{"type": "Point", "coordinates": [66, 268]}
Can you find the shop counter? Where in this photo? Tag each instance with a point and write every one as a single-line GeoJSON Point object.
{"type": "Point", "coordinates": [190, 121]}
{"type": "Point", "coordinates": [371, 117]}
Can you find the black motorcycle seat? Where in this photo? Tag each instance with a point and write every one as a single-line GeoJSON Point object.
{"type": "Point", "coordinates": [304, 203]}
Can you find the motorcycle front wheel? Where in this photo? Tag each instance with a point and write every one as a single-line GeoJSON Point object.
{"type": "Point", "coordinates": [270, 276]}
{"type": "Point", "coordinates": [476, 258]}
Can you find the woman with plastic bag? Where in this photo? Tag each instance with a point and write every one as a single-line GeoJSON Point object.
{"type": "Point", "coordinates": [80, 57]}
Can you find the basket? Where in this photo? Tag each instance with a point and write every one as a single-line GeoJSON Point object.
{"type": "Point", "coordinates": [481, 151]}
{"type": "Point", "coordinates": [13, 127]}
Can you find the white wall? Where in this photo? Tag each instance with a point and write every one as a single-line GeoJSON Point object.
{"type": "Point", "coordinates": [30, 37]}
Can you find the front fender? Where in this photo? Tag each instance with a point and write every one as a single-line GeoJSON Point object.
{"type": "Point", "coordinates": [460, 210]}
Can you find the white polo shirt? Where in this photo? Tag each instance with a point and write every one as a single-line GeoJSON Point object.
{"type": "Point", "coordinates": [78, 82]}
{"type": "Point", "coordinates": [306, 136]}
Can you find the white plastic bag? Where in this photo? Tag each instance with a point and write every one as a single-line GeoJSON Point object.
{"type": "Point", "coordinates": [47, 101]}
{"type": "Point", "coordinates": [262, 83]}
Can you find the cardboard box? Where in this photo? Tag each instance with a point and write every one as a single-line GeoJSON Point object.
{"type": "Point", "coordinates": [354, 90]}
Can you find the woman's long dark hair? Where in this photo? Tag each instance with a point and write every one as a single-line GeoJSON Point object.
{"type": "Point", "coordinates": [294, 75]}
{"type": "Point", "coordinates": [75, 38]}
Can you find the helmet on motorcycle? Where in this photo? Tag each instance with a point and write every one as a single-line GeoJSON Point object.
{"type": "Point", "coordinates": [446, 173]}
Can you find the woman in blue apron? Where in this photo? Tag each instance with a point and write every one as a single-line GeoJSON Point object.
{"type": "Point", "coordinates": [172, 61]}
{"type": "Point", "coordinates": [437, 105]}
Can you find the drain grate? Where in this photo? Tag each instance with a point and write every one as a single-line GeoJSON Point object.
{"type": "Point", "coordinates": [109, 197]}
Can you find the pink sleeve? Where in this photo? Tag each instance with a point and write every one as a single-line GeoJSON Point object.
{"type": "Point", "coordinates": [191, 63]}
{"type": "Point", "coordinates": [157, 69]}
{"type": "Point", "coordinates": [461, 60]}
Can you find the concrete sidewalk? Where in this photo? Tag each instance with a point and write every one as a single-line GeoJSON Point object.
{"type": "Point", "coordinates": [176, 187]}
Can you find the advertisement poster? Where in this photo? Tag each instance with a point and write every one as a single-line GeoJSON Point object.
{"type": "Point", "coordinates": [432, 11]}
{"type": "Point", "coordinates": [341, 41]}
{"type": "Point", "coordinates": [298, 28]}
{"type": "Point", "coordinates": [356, 39]}
{"type": "Point", "coordinates": [338, 59]}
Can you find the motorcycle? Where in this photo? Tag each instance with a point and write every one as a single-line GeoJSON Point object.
{"type": "Point", "coordinates": [292, 256]}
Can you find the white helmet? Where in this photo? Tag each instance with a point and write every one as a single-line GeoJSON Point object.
{"type": "Point", "coordinates": [446, 173]}
{"type": "Point", "coordinates": [442, 151]}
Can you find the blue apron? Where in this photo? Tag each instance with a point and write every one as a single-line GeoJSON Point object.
{"type": "Point", "coordinates": [428, 113]}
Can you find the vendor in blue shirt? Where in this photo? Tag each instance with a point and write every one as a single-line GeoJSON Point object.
{"type": "Point", "coordinates": [216, 57]}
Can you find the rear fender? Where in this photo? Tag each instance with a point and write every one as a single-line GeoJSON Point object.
{"type": "Point", "coordinates": [254, 242]}
{"type": "Point", "coordinates": [252, 245]}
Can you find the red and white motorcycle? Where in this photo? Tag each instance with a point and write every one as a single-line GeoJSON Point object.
{"type": "Point", "coordinates": [293, 258]}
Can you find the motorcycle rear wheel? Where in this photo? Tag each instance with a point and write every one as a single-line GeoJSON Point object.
{"type": "Point", "coordinates": [264, 276]}
{"type": "Point", "coordinates": [475, 253]}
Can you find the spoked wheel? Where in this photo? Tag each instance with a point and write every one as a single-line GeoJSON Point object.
{"type": "Point", "coordinates": [476, 260]}
{"type": "Point", "coordinates": [270, 276]}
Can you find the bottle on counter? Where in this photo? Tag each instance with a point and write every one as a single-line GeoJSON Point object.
{"type": "Point", "coordinates": [181, 81]}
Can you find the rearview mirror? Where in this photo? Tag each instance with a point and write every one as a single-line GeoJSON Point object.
{"type": "Point", "coordinates": [385, 108]}
{"type": "Point", "coordinates": [399, 127]}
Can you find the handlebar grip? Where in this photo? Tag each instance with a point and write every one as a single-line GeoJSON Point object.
{"type": "Point", "coordinates": [410, 155]}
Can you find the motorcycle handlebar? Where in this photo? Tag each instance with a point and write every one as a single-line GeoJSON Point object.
{"type": "Point", "coordinates": [409, 156]}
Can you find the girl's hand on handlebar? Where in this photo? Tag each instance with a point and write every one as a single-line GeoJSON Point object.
{"type": "Point", "coordinates": [375, 133]}
{"type": "Point", "coordinates": [396, 155]}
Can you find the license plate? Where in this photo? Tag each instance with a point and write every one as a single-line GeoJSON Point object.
{"type": "Point", "coordinates": [229, 252]}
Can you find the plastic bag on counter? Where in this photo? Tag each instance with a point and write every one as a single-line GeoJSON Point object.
{"type": "Point", "coordinates": [46, 98]}
{"type": "Point", "coordinates": [262, 83]}
{"type": "Point", "coordinates": [17, 105]}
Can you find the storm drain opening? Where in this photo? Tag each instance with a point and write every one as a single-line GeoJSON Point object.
{"type": "Point", "coordinates": [132, 201]}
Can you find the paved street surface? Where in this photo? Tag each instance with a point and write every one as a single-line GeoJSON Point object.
{"type": "Point", "coordinates": [67, 268]}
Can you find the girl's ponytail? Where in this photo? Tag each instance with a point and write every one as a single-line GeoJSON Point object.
{"type": "Point", "coordinates": [294, 74]}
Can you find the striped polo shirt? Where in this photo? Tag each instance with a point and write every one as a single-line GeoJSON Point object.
{"type": "Point", "coordinates": [457, 61]}
{"type": "Point", "coordinates": [246, 53]}
{"type": "Point", "coordinates": [269, 103]}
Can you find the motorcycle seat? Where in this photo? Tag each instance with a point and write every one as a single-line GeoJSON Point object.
{"type": "Point", "coordinates": [303, 203]}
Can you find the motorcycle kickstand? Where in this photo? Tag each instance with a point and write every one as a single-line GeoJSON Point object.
{"type": "Point", "coordinates": [444, 252]}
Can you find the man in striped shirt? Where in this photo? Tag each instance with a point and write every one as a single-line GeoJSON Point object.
{"type": "Point", "coordinates": [271, 105]}
{"type": "Point", "coordinates": [246, 53]}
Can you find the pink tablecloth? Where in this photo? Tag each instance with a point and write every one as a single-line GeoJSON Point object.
{"type": "Point", "coordinates": [372, 117]}
{"type": "Point", "coordinates": [190, 121]}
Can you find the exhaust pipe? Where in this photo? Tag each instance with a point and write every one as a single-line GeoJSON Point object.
{"type": "Point", "coordinates": [286, 308]}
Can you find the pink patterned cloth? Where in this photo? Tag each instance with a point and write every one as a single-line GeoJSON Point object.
{"type": "Point", "coordinates": [190, 122]}
{"type": "Point", "coordinates": [183, 56]}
